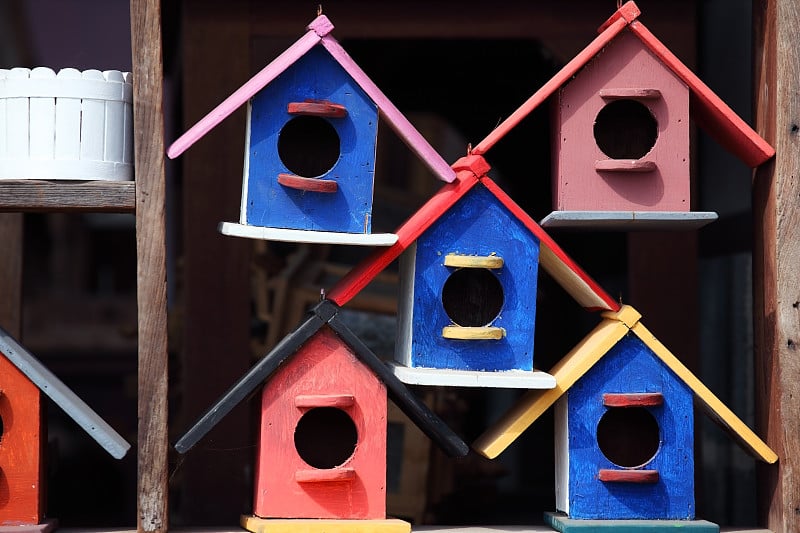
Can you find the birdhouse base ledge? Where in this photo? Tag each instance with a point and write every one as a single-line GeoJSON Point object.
{"type": "Point", "coordinates": [313, 237]}
{"type": "Point", "coordinates": [507, 379]}
{"type": "Point", "coordinates": [294, 525]}
{"type": "Point", "coordinates": [560, 522]}
{"type": "Point", "coordinates": [45, 527]}
{"type": "Point", "coordinates": [628, 220]}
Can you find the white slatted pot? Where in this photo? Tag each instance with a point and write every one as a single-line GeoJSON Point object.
{"type": "Point", "coordinates": [71, 125]}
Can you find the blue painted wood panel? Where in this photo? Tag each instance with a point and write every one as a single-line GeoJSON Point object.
{"type": "Point", "coordinates": [478, 224]}
{"type": "Point", "coordinates": [314, 76]}
{"type": "Point", "coordinates": [630, 366]}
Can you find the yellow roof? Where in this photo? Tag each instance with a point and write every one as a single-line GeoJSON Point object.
{"type": "Point", "coordinates": [583, 357]}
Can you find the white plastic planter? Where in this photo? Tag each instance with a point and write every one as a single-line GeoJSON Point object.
{"type": "Point", "coordinates": [71, 125]}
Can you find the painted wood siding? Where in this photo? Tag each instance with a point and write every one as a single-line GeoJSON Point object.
{"type": "Point", "coordinates": [477, 225]}
{"type": "Point", "coordinates": [630, 366]}
{"type": "Point", "coordinates": [265, 202]}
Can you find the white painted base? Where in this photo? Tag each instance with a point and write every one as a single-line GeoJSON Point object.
{"type": "Point", "coordinates": [628, 220]}
{"type": "Point", "coordinates": [314, 237]}
{"type": "Point", "coordinates": [508, 379]}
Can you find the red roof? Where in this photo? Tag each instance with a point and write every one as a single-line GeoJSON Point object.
{"type": "Point", "coordinates": [708, 110]}
{"type": "Point", "coordinates": [471, 170]}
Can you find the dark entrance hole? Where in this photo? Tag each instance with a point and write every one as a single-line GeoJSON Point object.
{"type": "Point", "coordinates": [628, 436]}
{"type": "Point", "coordinates": [625, 129]}
{"type": "Point", "coordinates": [472, 297]}
{"type": "Point", "coordinates": [308, 146]}
{"type": "Point", "coordinates": [325, 437]}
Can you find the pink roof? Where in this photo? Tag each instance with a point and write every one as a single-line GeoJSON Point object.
{"type": "Point", "coordinates": [708, 110]}
{"type": "Point", "coordinates": [471, 170]}
{"type": "Point", "coordinates": [318, 32]}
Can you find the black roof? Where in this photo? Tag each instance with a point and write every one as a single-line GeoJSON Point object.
{"type": "Point", "coordinates": [326, 313]}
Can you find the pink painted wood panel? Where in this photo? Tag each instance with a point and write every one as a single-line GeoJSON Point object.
{"type": "Point", "coordinates": [625, 63]}
{"type": "Point", "coordinates": [286, 486]}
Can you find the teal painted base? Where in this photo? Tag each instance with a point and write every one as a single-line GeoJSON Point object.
{"type": "Point", "coordinates": [560, 522]}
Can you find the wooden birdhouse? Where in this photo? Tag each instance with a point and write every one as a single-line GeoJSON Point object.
{"type": "Point", "coordinates": [468, 277]}
{"type": "Point", "coordinates": [624, 432]}
{"type": "Point", "coordinates": [312, 123]}
{"type": "Point", "coordinates": [621, 114]}
{"type": "Point", "coordinates": [23, 438]}
{"type": "Point", "coordinates": [322, 445]}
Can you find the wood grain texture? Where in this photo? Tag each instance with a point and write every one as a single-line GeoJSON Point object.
{"type": "Point", "coordinates": [152, 515]}
{"type": "Point", "coordinates": [776, 254]}
{"type": "Point", "coordinates": [11, 231]}
{"type": "Point", "coordinates": [72, 196]}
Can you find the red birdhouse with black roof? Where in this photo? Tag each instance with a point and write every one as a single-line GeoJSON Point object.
{"type": "Point", "coordinates": [621, 116]}
{"type": "Point", "coordinates": [310, 145]}
{"type": "Point", "coordinates": [323, 434]}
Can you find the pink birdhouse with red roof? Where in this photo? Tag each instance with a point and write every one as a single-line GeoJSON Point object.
{"type": "Point", "coordinates": [621, 115]}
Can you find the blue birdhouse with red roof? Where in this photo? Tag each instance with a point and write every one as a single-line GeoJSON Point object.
{"type": "Point", "coordinates": [469, 267]}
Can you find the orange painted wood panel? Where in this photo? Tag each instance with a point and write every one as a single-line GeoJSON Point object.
{"type": "Point", "coordinates": [305, 467]}
{"type": "Point", "coordinates": [21, 468]}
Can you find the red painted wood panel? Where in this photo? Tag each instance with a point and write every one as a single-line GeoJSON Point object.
{"type": "Point", "coordinates": [21, 468]}
{"type": "Point", "coordinates": [289, 487]}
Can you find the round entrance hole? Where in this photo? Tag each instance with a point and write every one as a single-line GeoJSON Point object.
{"type": "Point", "coordinates": [308, 146]}
{"type": "Point", "coordinates": [628, 436]}
{"type": "Point", "coordinates": [625, 129]}
{"type": "Point", "coordinates": [325, 437]}
{"type": "Point", "coordinates": [472, 297]}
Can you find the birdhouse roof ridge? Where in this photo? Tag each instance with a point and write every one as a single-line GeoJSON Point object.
{"type": "Point", "coordinates": [471, 170]}
{"type": "Point", "coordinates": [709, 111]}
{"type": "Point", "coordinates": [318, 32]}
{"type": "Point", "coordinates": [326, 313]}
{"type": "Point", "coordinates": [63, 396]}
{"type": "Point", "coordinates": [583, 357]}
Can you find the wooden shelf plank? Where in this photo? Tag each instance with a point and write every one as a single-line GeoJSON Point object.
{"type": "Point", "coordinates": [66, 195]}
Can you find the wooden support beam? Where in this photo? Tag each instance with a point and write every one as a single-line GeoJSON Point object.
{"type": "Point", "coordinates": [148, 72]}
{"type": "Point", "coordinates": [776, 256]}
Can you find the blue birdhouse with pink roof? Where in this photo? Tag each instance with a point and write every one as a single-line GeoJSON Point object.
{"type": "Point", "coordinates": [310, 146]}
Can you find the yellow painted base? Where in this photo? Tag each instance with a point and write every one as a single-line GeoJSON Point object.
{"type": "Point", "coordinates": [310, 525]}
